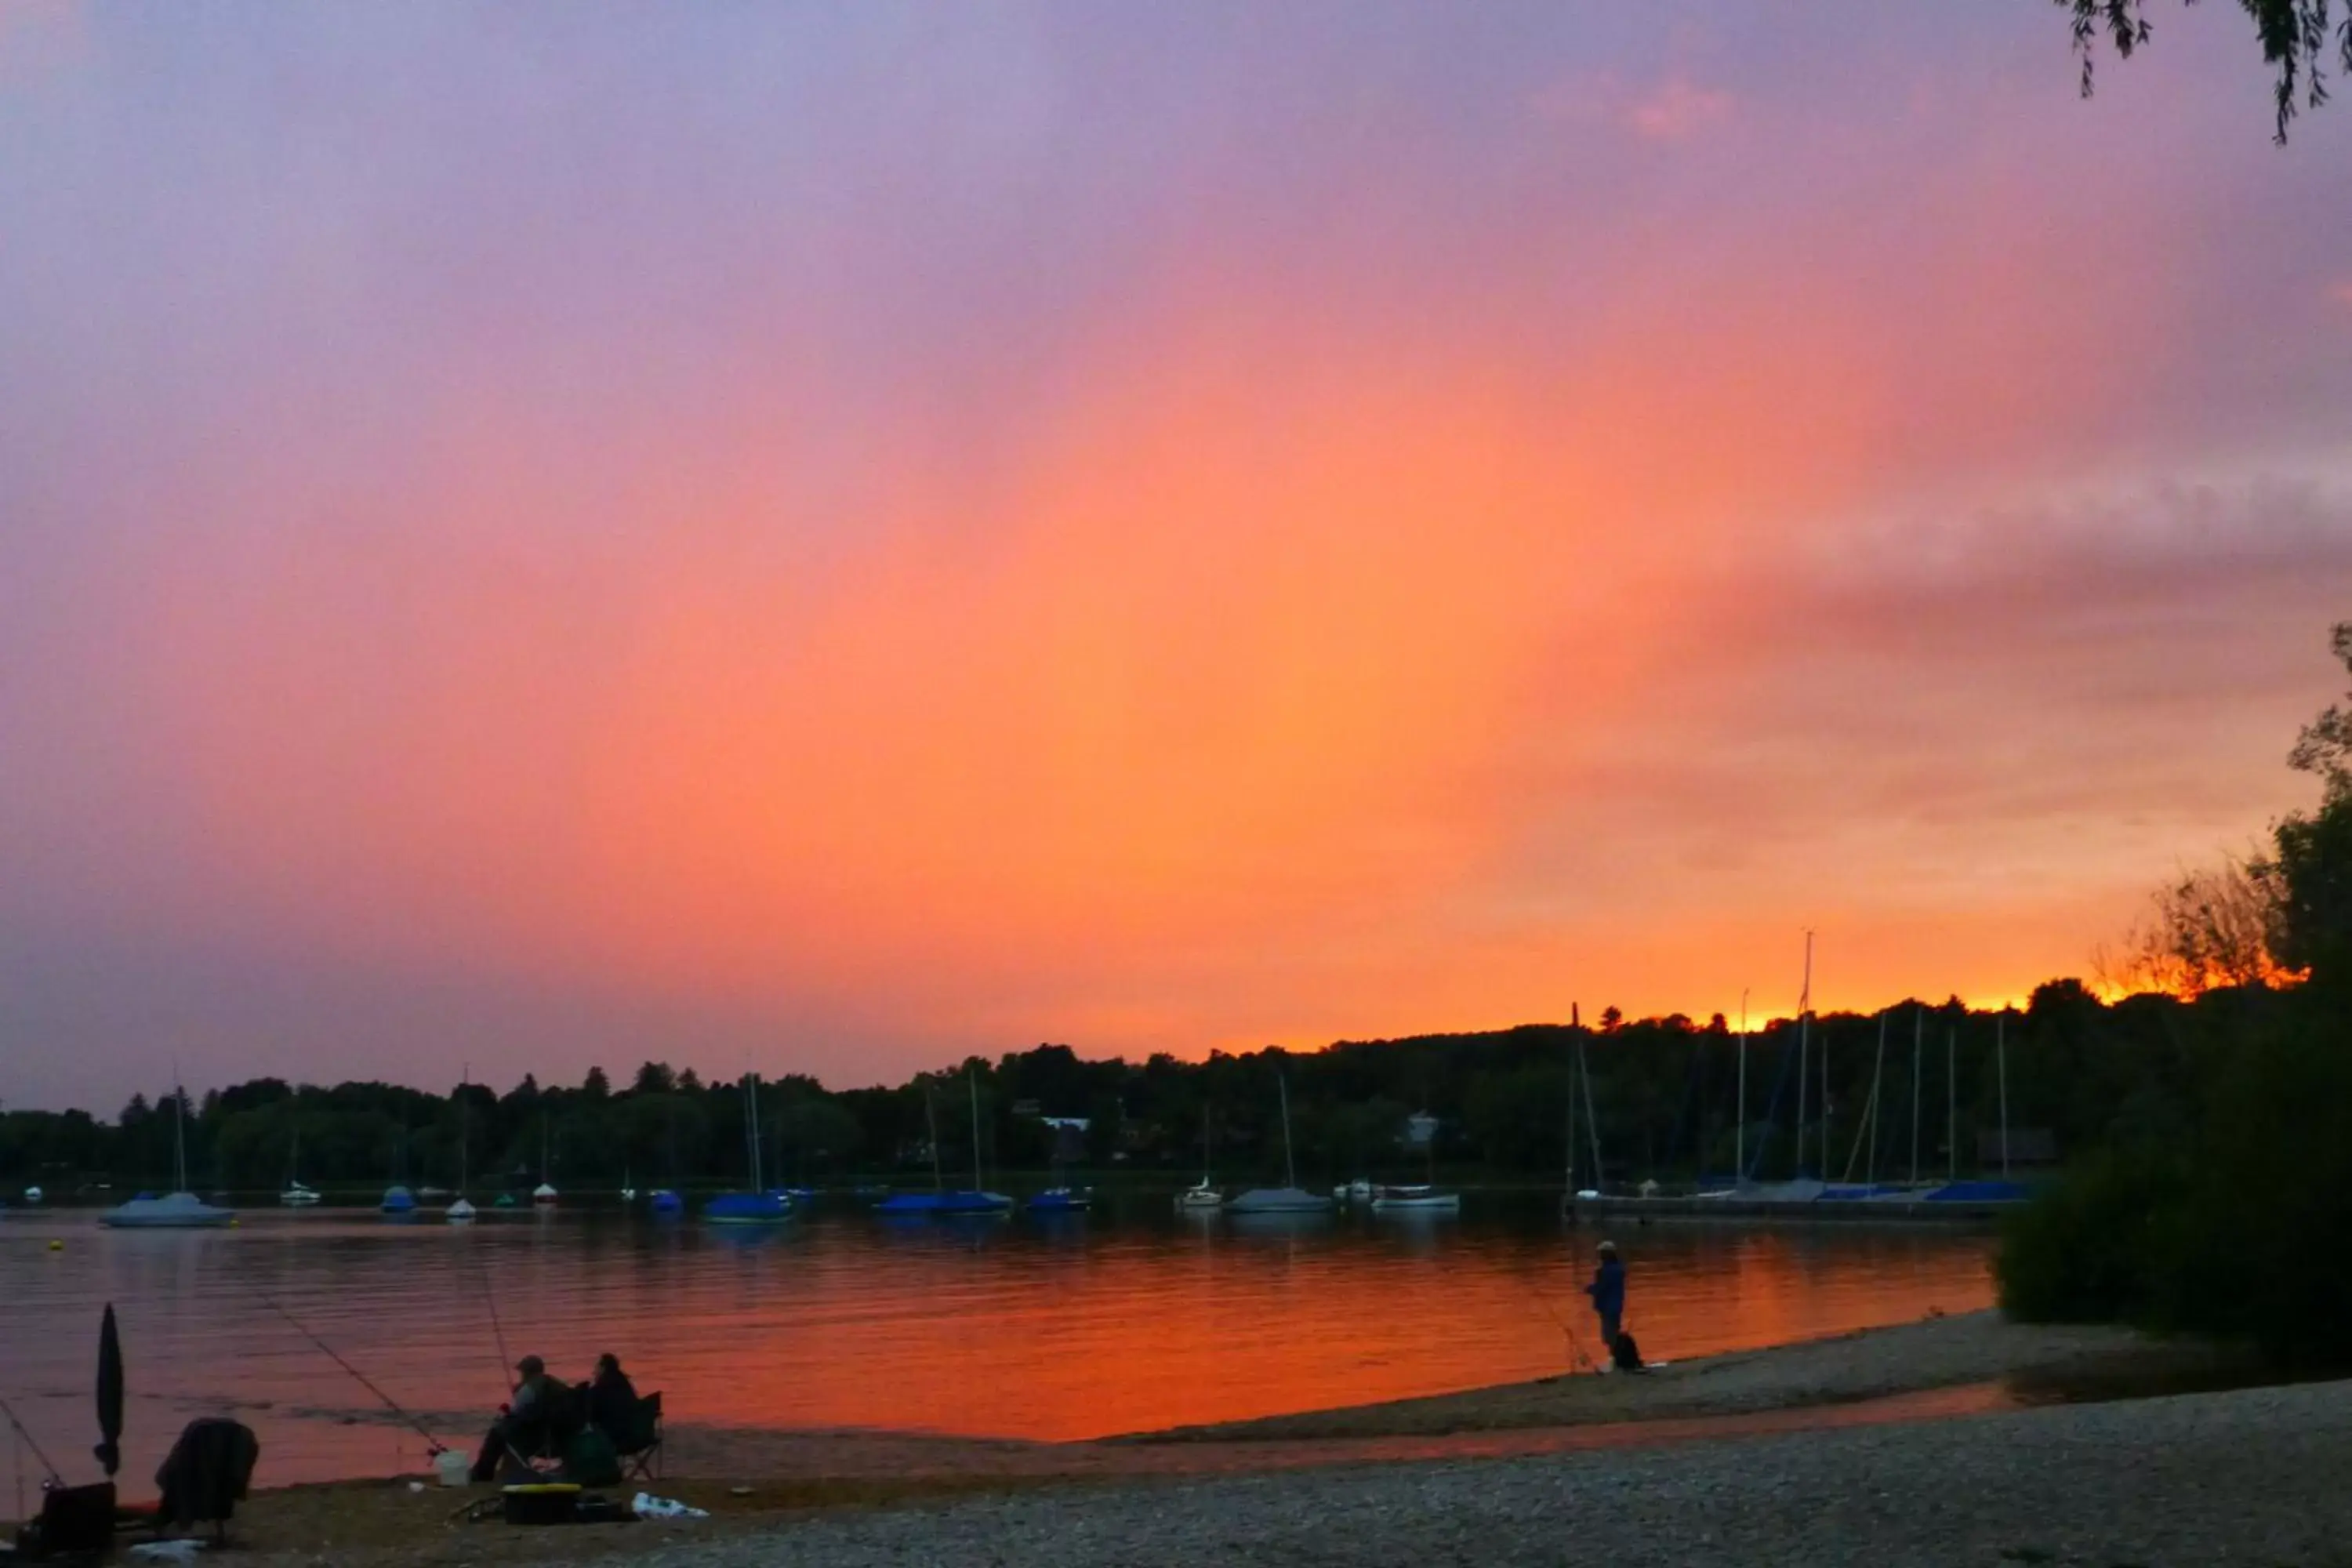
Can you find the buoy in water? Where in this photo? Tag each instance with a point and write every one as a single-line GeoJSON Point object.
{"type": "Point", "coordinates": [56, 1246]}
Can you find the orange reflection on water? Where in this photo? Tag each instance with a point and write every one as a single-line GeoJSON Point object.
{"type": "Point", "coordinates": [1016, 1331]}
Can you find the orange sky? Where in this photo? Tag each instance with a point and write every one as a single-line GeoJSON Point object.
{"type": "Point", "coordinates": [1412, 532]}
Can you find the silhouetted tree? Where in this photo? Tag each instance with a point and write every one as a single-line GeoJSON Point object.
{"type": "Point", "coordinates": [2293, 33]}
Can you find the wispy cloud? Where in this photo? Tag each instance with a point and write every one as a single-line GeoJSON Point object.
{"type": "Point", "coordinates": [1675, 109]}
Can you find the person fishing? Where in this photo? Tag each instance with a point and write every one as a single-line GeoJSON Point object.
{"type": "Point", "coordinates": [522, 1423]}
{"type": "Point", "coordinates": [1608, 1293]}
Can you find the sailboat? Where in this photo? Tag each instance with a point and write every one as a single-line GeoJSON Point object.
{"type": "Point", "coordinates": [1061, 1197]}
{"type": "Point", "coordinates": [542, 1196]}
{"type": "Point", "coordinates": [1204, 1196]}
{"type": "Point", "coordinates": [665, 1200]}
{"type": "Point", "coordinates": [972, 1200]}
{"type": "Point", "coordinates": [1288, 1199]}
{"type": "Point", "coordinates": [628, 1186]}
{"type": "Point", "coordinates": [757, 1207]}
{"type": "Point", "coordinates": [398, 1202]}
{"type": "Point", "coordinates": [1421, 1199]}
{"type": "Point", "coordinates": [179, 1209]}
{"type": "Point", "coordinates": [297, 1195]}
{"type": "Point", "coordinates": [461, 1209]}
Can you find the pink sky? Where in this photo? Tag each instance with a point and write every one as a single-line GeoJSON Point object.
{"type": "Point", "coordinates": [828, 541]}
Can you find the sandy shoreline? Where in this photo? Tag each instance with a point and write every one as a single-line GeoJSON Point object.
{"type": "Point", "coordinates": [751, 1479]}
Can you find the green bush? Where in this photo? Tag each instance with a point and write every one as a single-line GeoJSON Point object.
{"type": "Point", "coordinates": [2085, 1250]}
{"type": "Point", "coordinates": [2240, 1227]}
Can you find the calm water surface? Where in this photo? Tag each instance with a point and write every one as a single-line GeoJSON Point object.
{"type": "Point", "coordinates": [1116, 1322]}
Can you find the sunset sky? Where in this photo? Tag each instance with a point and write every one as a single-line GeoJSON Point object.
{"type": "Point", "coordinates": [829, 538]}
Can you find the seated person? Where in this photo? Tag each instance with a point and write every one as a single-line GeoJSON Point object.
{"type": "Point", "coordinates": [613, 1401]}
{"type": "Point", "coordinates": [528, 1423]}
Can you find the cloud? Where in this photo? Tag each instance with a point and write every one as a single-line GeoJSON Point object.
{"type": "Point", "coordinates": [1675, 109]}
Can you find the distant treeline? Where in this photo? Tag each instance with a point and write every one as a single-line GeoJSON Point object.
{"type": "Point", "coordinates": [1665, 1102]}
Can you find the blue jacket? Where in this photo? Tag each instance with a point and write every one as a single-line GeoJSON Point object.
{"type": "Point", "coordinates": [1607, 1288]}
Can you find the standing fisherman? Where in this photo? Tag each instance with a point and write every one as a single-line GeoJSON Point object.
{"type": "Point", "coordinates": [1608, 1293]}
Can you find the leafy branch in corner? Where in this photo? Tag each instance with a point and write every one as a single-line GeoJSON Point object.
{"type": "Point", "coordinates": [2294, 37]}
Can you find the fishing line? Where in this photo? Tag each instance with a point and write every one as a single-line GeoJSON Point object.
{"type": "Point", "coordinates": [1576, 1346]}
{"type": "Point", "coordinates": [433, 1445]}
{"type": "Point", "coordinates": [30, 1442]}
{"type": "Point", "coordinates": [498, 1330]}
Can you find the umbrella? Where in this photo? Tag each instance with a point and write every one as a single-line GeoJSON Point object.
{"type": "Point", "coordinates": [110, 1394]}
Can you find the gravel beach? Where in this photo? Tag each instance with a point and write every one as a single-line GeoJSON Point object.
{"type": "Point", "coordinates": [2261, 1475]}
{"type": "Point", "coordinates": [1870, 1363]}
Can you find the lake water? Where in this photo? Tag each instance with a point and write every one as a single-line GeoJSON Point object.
{"type": "Point", "coordinates": [1130, 1319]}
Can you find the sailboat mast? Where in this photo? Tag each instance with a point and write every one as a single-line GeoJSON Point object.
{"type": "Point", "coordinates": [1290, 1164]}
{"type": "Point", "coordinates": [1592, 1113]}
{"type": "Point", "coordinates": [1952, 1102]}
{"type": "Point", "coordinates": [179, 1137]}
{"type": "Point", "coordinates": [1870, 1172]}
{"type": "Point", "coordinates": [752, 1129]}
{"type": "Point", "coordinates": [465, 1081]}
{"type": "Point", "coordinates": [972, 1083]}
{"type": "Point", "coordinates": [1918, 1031]}
{"type": "Point", "coordinates": [1804, 1053]}
{"type": "Point", "coordinates": [1574, 1023]}
{"type": "Point", "coordinates": [2001, 1062]}
{"type": "Point", "coordinates": [1739, 1136]}
{"type": "Point", "coordinates": [932, 1119]}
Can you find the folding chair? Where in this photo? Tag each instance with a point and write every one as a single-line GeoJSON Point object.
{"type": "Point", "coordinates": [641, 1453]}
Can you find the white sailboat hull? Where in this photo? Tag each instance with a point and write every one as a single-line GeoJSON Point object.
{"type": "Point", "coordinates": [1279, 1200]}
{"type": "Point", "coordinates": [1417, 1203]}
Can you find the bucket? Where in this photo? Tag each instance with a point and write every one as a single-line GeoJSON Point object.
{"type": "Point", "coordinates": [452, 1467]}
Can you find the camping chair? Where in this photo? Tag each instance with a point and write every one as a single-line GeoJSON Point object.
{"type": "Point", "coordinates": [205, 1476]}
{"type": "Point", "coordinates": [640, 1447]}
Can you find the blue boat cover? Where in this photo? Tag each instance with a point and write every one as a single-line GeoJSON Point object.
{"type": "Point", "coordinates": [747, 1208]}
{"type": "Point", "coordinates": [1981, 1193]}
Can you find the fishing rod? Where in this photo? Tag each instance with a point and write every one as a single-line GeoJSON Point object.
{"type": "Point", "coordinates": [433, 1445]}
{"type": "Point", "coordinates": [31, 1442]}
{"type": "Point", "coordinates": [1575, 1345]}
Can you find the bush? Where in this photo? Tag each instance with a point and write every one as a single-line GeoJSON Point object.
{"type": "Point", "coordinates": [2086, 1251]}
{"type": "Point", "coordinates": [2241, 1228]}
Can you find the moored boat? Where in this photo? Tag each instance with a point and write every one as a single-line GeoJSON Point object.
{"type": "Point", "coordinates": [1290, 1198]}
{"type": "Point", "coordinates": [173, 1211]}
{"type": "Point", "coordinates": [747, 1208]}
{"type": "Point", "coordinates": [758, 1205]}
{"type": "Point", "coordinates": [941, 1202]}
{"type": "Point", "coordinates": [396, 1201]}
{"type": "Point", "coordinates": [297, 1195]}
{"type": "Point", "coordinates": [1415, 1200]}
{"type": "Point", "coordinates": [461, 1212]}
{"type": "Point", "coordinates": [1203, 1198]}
{"type": "Point", "coordinates": [179, 1209]}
